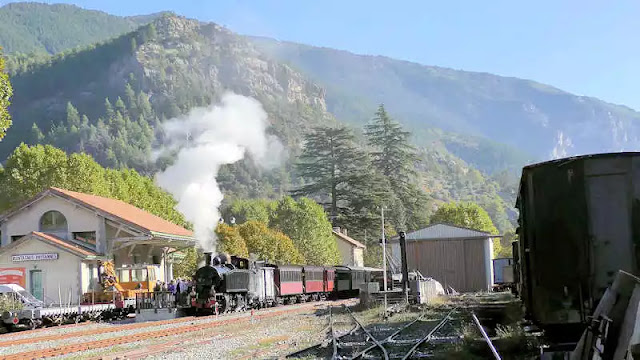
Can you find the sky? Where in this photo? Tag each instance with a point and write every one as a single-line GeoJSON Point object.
{"type": "Point", "coordinates": [586, 47]}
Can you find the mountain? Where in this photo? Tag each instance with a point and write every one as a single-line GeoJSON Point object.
{"type": "Point", "coordinates": [108, 99]}
{"type": "Point", "coordinates": [29, 27]}
{"type": "Point", "coordinates": [537, 119]}
{"type": "Point", "coordinates": [174, 60]}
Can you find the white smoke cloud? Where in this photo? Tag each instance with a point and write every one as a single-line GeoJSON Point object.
{"type": "Point", "coordinates": [206, 139]}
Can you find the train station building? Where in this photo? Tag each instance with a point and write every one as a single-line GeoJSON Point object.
{"type": "Point", "coordinates": [51, 244]}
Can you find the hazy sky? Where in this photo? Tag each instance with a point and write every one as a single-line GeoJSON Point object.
{"type": "Point", "coordinates": [586, 47]}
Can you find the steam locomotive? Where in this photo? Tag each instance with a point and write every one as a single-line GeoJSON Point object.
{"type": "Point", "coordinates": [230, 283]}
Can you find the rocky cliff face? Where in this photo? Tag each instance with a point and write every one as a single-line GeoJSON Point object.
{"type": "Point", "coordinates": [180, 63]}
{"type": "Point", "coordinates": [533, 117]}
{"type": "Point", "coordinates": [209, 58]}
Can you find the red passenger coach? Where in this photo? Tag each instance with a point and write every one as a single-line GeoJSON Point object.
{"type": "Point", "coordinates": [288, 280]}
{"type": "Point", "coordinates": [313, 279]}
{"type": "Point", "coordinates": [329, 278]}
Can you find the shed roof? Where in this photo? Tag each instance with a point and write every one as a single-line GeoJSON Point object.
{"type": "Point", "coordinates": [445, 231]}
{"type": "Point", "coordinates": [348, 239]}
{"type": "Point", "coordinates": [55, 241]}
{"type": "Point", "coordinates": [119, 209]}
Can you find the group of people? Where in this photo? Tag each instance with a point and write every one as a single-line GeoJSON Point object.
{"type": "Point", "coordinates": [178, 287]}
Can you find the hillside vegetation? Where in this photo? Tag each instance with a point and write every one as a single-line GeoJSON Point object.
{"type": "Point", "coordinates": [29, 27]}
{"type": "Point", "coordinates": [108, 98]}
{"type": "Point", "coordinates": [536, 120]}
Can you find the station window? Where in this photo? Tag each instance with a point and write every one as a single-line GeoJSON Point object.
{"type": "Point", "coordinates": [16, 237]}
{"type": "Point", "coordinates": [53, 222]}
{"type": "Point", "coordinates": [88, 237]}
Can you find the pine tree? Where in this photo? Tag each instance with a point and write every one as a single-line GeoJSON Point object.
{"type": "Point", "coordinates": [37, 136]}
{"type": "Point", "coordinates": [73, 117]}
{"type": "Point", "coordinates": [120, 106]}
{"type": "Point", "coordinates": [132, 102]}
{"type": "Point", "coordinates": [393, 155]}
{"type": "Point", "coordinates": [144, 106]}
{"type": "Point", "coordinates": [108, 109]}
{"type": "Point", "coordinates": [134, 45]}
{"type": "Point", "coordinates": [332, 162]}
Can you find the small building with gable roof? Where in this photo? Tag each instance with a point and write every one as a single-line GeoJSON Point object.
{"type": "Point", "coordinates": [457, 257]}
{"type": "Point", "coordinates": [351, 250]}
{"type": "Point", "coordinates": [52, 243]}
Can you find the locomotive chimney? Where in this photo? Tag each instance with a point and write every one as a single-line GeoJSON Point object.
{"type": "Point", "coordinates": [207, 259]}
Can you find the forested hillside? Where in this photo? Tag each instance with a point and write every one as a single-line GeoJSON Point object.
{"type": "Point", "coordinates": [533, 118]}
{"type": "Point", "coordinates": [108, 99]}
{"type": "Point", "coordinates": [30, 27]}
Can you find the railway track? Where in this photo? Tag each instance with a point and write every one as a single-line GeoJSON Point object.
{"type": "Point", "coordinates": [82, 332]}
{"type": "Point", "coordinates": [413, 340]}
{"type": "Point", "coordinates": [99, 344]}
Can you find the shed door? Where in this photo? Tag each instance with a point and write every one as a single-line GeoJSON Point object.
{"type": "Point", "coordinates": [35, 280]}
{"type": "Point", "coordinates": [610, 228]}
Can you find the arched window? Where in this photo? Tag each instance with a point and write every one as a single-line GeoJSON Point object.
{"type": "Point", "coordinates": [53, 222]}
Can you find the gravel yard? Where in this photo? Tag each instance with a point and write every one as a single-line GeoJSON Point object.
{"type": "Point", "coordinates": [263, 337]}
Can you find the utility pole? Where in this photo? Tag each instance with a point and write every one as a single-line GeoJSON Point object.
{"type": "Point", "coordinates": [384, 262]}
{"type": "Point", "coordinates": [405, 271]}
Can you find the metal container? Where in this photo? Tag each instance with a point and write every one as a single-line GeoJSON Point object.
{"type": "Point", "coordinates": [499, 266]}
{"type": "Point", "coordinates": [579, 224]}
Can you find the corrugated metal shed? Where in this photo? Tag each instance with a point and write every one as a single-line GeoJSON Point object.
{"type": "Point", "coordinates": [455, 256]}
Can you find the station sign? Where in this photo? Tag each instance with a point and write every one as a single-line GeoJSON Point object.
{"type": "Point", "coordinates": [34, 257]}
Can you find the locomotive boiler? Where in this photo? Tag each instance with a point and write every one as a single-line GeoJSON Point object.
{"type": "Point", "coordinates": [222, 283]}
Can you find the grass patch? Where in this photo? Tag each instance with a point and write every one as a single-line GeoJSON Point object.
{"type": "Point", "coordinates": [272, 339]}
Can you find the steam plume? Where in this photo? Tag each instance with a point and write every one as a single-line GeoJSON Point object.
{"type": "Point", "coordinates": [206, 139]}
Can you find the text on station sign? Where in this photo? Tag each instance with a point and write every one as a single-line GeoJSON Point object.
{"type": "Point", "coordinates": [34, 257]}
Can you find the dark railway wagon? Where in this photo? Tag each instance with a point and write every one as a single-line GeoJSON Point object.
{"type": "Point", "coordinates": [579, 223]}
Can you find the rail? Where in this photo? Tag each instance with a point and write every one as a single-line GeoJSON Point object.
{"type": "Point", "coordinates": [486, 337]}
{"type": "Point", "coordinates": [334, 341]}
{"type": "Point", "coordinates": [387, 339]}
{"type": "Point", "coordinates": [378, 344]}
{"type": "Point", "coordinates": [429, 335]}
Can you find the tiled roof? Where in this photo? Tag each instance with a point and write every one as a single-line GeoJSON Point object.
{"type": "Point", "coordinates": [56, 241]}
{"type": "Point", "coordinates": [126, 212]}
{"type": "Point", "coordinates": [445, 231]}
{"type": "Point", "coordinates": [348, 239]}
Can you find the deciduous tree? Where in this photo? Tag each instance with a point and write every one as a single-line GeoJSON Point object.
{"type": "Point", "coordinates": [6, 91]}
{"type": "Point", "coordinates": [269, 244]}
{"type": "Point", "coordinates": [31, 169]}
{"type": "Point", "coordinates": [306, 223]}
{"type": "Point", "coordinates": [186, 262]}
{"type": "Point", "coordinates": [244, 210]}
{"type": "Point", "coordinates": [230, 241]}
{"type": "Point", "coordinates": [469, 215]}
